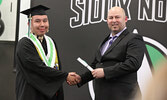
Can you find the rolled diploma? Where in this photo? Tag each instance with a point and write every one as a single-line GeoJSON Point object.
{"type": "Point", "coordinates": [84, 63]}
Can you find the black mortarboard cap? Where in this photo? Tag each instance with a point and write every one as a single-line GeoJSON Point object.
{"type": "Point", "coordinates": [37, 10]}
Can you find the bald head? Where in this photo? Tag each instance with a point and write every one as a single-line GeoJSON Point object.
{"type": "Point", "coordinates": [117, 9]}
{"type": "Point", "coordinates": [116, 19]}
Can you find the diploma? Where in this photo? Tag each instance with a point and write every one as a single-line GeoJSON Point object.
{"type": "Point", "coordinates": [84, 63]}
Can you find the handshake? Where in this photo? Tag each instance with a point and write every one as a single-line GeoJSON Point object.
{"type": "Point", "coordinates": [73, 78]}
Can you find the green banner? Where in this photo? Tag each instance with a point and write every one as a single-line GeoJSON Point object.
{"type": "Point", "coordinates": [0, 2]}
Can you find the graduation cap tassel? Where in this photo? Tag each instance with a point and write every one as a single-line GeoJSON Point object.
{"type": "Point", "coordinates": [29, 26]}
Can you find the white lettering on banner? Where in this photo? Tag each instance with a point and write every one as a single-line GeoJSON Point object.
{"type": "Point", "coordinates": [95, 11]}
{"type": "Point", "coordinates": [160, 11]}
{"type": "Point", "coordinates": [152, 10]}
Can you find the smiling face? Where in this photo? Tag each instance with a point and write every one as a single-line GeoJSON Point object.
{"type": "Point", "coordinates": [116, 20]}
{"type": "Point", "coordinates": [39, 25]}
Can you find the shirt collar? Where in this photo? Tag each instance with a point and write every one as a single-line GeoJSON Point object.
{"type": "Point", "coordinates": [118, 34]}
{"type": "Point", "coordinates": [40, 38]}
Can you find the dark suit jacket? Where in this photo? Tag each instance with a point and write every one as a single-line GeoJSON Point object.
{"type": "Point", "coordinates": [120, 62]}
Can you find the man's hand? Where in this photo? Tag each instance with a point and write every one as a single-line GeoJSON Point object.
{"type": "Point", "coordinates": [73, 78]}
{"type": "Point", "coordinates": [98, 73]}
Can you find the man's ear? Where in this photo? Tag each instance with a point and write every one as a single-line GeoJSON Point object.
{"type": "Point", "coordinates": [126, 18]}
{"type": "Point", "coordinates": [107, 20]}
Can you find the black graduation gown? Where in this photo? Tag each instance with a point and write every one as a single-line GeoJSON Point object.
{"type": "Point", "coordinates": [35, 80]}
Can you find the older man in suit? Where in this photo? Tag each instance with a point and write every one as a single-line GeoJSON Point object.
{"type": "Point", "coordinates": [117, 60]}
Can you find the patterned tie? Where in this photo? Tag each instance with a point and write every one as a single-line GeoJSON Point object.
{"type": "Point", "coordinates": [40, 38]}
{"type": "Point", "coordinates": [110, 41]}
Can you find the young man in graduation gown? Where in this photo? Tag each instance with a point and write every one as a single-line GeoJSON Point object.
{"type": "Point", "coordinates": [38, 69]}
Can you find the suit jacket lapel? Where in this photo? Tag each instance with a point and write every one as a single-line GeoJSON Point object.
{"type": "Point", "coordinates": [116, 41]}
{"type": "Point", "coordinates": [98, 50]}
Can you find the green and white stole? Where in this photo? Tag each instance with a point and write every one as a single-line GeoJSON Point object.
{"type": "Point", "coordinates": [51, 59]}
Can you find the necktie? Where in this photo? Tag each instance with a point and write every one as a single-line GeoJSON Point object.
{"type": "Point", "coordinates": [40, 38]}
{"type": "Point", "coordinates": [111, 41]}
{"type": "Point", "coordinates": [108, 44]}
